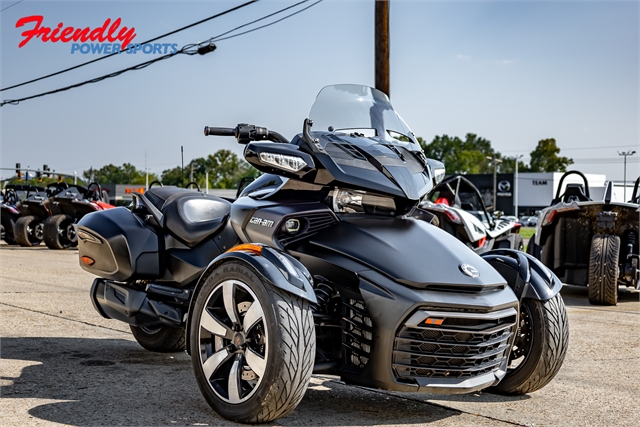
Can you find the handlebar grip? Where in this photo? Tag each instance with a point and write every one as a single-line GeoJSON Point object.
{"type": "Point", "coordinates": [210, 131]}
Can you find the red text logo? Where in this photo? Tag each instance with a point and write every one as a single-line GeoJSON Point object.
{"type": "Point", "coordinates": [107, 32]}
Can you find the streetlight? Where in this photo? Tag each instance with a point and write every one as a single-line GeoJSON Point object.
{"type": "Point", "coordinates": [625, 154]}
{"type": "Point", "coordinates": [495, 179]}
{"type": "Point", "coordinates": [515, 189]}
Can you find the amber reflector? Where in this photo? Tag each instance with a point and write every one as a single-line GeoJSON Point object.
{"type": "Point", "coordinates": [88, 261]}
{"type": "Point", "coordinates": [431, 321]}
{"type": "Point", "coordinates": [247, 247]}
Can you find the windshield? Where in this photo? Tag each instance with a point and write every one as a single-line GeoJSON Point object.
{"type": "Point", "coordinates": [358, 109]}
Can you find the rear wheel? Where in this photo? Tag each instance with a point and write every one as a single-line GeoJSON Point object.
{"type": "Point", "coordinates": [59, 232]}
{"type": "Point", "coordinates": [28, 231]}
{"type": "Point", "coordinates": [539, 349]}
{"type": "Point", "coordinates": [162, 339]}
{"type": "Point", "coordinates": [252, 345]}
{"type": "Point", "coordinates": [603, 269]}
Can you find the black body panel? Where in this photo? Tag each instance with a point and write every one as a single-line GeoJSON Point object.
{"type": "Point", "coordinates": [410, 251]}
{"type": "Point", "coordinates": [123, 247]}
{"type": "Point", "coordinates": [35, 205]}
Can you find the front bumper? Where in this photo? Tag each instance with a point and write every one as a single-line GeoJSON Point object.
{"type": "Point", "coordinates": [463, 348]}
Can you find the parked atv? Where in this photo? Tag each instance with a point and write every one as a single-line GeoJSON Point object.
{"type": "Point", "coordinates": [320, 266]}
{"type": "Point", "coordinates": [458, 205]}
{"type": "Point", "coordinates": [67, 207]}
{"type": "Point", "coordinates": [10, 213]}
{"type": "Point", "coordinates": [589, 243]}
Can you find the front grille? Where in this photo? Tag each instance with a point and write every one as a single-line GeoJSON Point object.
{"type": "Point", "coordinates": [454, 344]}
{"type": "Point", "coordinates": [357, 333]}
{"type": "Point", "coordinates": [312, 222]}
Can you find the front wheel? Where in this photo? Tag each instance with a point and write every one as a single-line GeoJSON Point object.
{"type": "Point", "coordinates": [539, 349]}
{"type": "Point", "coordinates": [252, 345]}
{"type": "Point", "coordinates": [603, 269]}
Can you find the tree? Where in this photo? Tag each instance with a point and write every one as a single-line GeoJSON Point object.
{"type": "Point", "coordinates": [111, 174]}
{"type": "Point", "coordinates": [468, 156]}
{"type": "Point", "coordinates": [545, 158]}
{"type": "Point", "coordinates": [172, 177]}
{"type": "Point", "coordinates": [508, 165]}
{"type": "Point", "coordinates": [224, 166]}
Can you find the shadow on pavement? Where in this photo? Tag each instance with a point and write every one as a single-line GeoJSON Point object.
{"type": "Point", "coordinates": [577, 296]}
{"type": "Point", "coordinates": [115, 382]}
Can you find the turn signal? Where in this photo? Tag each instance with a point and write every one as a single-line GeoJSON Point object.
{"type": "Point", "coordinates": [247, 247]}
{"type": "Point", "coordinates": [87, 260]}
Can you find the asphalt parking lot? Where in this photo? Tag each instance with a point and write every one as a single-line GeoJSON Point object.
{"type": "Point", "coordinates": [63, 364]}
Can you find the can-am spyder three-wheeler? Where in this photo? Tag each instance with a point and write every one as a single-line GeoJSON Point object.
{"type": "Point", "coordinates": [323, 264]}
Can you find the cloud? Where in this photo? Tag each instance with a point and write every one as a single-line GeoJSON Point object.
{"type": "Point", "coordinates": [460, 56]}
{"type": "Point", "coordinates": [506, 61]}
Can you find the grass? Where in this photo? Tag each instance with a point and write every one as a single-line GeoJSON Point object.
{"type": "Point", "coordinates": [527, 232]}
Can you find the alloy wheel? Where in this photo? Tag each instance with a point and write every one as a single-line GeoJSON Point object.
{"type": "Point", "coordinates": [233, 341]}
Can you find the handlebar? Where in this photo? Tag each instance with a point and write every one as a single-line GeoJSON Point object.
{"type": "Point", "coordinates": [246, 133]}
{"type": "Point", "coordinates": [209, 130]}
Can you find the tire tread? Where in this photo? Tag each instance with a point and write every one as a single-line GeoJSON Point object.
{"type": "Point", "coordinates": [603, 269]}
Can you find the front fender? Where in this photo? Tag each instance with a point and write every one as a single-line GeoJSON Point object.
{"type": "Point", "coordinates": [275, 266]}
{"type": "Point", "coordinates": [526, 276]}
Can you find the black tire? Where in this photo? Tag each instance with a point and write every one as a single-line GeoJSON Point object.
{"type": "Point", "coordinates": [518, 243]}
{"type": "Point", "coordinates": [161, 339]}
{"type": "Point", "coordinates": [28, 231]}
{"type": "Point", "coordinates": [540, 347]}
{"type": "Point", "coordinates": [277, 358]}
{"type": "Point", "coordinates": [8, 233]}
{"type": "Point", "coordinates": [56, 232]}
{"type": "Point", "coordinates": [603, 269]}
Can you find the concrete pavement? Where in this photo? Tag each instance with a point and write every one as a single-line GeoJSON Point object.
{"type": "Point", "coordinates": [63, 364]}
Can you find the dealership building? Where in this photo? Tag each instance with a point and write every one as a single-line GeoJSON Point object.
{"type": "Point", "coordinates": [536, 190]}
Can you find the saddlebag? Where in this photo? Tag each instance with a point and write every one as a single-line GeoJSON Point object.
{"type": "Point", "coordinates": [117, 245]}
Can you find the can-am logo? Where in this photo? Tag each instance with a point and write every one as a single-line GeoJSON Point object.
{"type": "Point", "coordinates": [107, 37]}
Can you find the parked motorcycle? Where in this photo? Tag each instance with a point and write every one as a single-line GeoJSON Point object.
{"type": "Point", "coordinates": [458, 205]}
{"type": "Point", "coordinates": [322, 266]}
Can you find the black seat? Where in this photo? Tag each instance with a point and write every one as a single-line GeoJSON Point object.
{"type": "Point", "coordinates": [189, 215]}
{"type": "Point", "coordinates": [574, 192]}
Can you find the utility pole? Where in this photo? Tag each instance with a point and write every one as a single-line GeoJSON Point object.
{"type": "Point", "coordinates": [382, 45]}
{"type": "Point", "coordinates": [495, 179]}
{"type": "Point", "coordinates": [625, 154]}
{"type": "Point", "coordinates": [206, 178]}
{"type": "Point", "coordinates": [182, 168]}
{"type": "Point", "coordinates": [191, 180]}
{"type": "Point", "coordinates": [515, 186]}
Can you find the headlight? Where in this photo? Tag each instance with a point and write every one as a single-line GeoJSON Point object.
{"type": "Point", "coordinates": [282, 161]}
{"type": "Point", "coordinates": [438, 170]}
{"type": "Point", "coordinates": [438, 175]}
{"type": "Point", "coordinates": [355, 201]}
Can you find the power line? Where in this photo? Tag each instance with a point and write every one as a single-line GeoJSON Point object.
{"type": "Point", "coordinates": [19, 1]}
{"type": "Point", "coordinates": [271, 23]}
{"type": "Point", "coordinates": [128, 48]}
{"type": "Point", "coordinates": [190, 49]}
{"type": "Point", "coordinates": [581, 148]}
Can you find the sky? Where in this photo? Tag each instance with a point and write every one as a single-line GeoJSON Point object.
{"type": "Point", "coordinates": [513, 72]}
